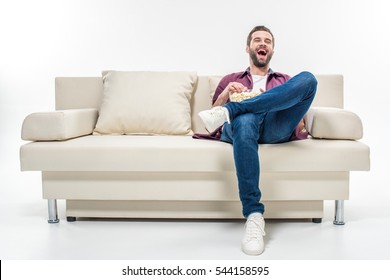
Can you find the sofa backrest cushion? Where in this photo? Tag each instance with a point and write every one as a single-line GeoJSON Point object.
{"type": "Point", "coordinates": [87, 92]}
{"type": "Point", "coordinates": [78, 92]}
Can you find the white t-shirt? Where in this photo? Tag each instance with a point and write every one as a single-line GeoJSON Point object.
{"type": "Point", "coordinates": [259, 82]}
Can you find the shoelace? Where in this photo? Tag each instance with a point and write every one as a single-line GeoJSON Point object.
{"type": "Point", "coordinates": [254, 229]}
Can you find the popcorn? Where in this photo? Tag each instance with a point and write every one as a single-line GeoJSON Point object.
{"type": "Point", "coordinates": [240, 96]}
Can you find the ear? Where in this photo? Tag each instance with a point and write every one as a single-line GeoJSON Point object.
{"type": "Point", "coordinates": [247, 49]}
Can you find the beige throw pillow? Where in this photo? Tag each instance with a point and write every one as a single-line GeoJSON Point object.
{"type": "Point", "coordinates": [146, 103]}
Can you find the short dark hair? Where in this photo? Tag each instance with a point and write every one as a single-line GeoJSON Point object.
{"type": "Point", "coordinates": [259, 28]}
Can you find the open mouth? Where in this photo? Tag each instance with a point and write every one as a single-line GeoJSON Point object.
{"type": "Point", "coordinates": [262, 52]}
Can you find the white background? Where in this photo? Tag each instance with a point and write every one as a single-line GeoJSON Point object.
{"type": "Point", "coordinates": [40, 40]}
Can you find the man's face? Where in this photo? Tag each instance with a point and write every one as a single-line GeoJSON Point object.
{"type": "Point", "coordinates": [261, 48]}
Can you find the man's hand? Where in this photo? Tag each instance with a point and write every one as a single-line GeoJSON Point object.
{"type": "Point", "coordinates": [235, 87]}
{"type": "Point", "coordinates": [232, 87]}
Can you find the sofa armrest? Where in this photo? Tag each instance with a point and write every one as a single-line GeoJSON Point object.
{"type": "Point", "coordinates": [333, 123]}
{"type": "Point", "coordinates": [59, 125]}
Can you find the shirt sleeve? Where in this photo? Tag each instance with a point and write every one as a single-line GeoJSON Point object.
{"type": "Point", "coordinates": [221, 86]}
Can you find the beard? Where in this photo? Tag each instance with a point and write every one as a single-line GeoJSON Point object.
{"type": "Point", "coordinates": [257, 62]}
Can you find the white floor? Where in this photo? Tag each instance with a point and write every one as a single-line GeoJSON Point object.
{"type": "Point", "coordinates": [25, 234]}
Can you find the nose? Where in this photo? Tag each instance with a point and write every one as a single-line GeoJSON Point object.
{"type": "Point", "coordinates": [262, 45]}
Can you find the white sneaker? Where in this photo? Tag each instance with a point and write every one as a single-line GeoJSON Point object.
{"type": "Point", "coordinates": [253, 243]}
{"type": "Point", "coordinates": [214, 118]}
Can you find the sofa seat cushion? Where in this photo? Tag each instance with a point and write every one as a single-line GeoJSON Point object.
{"type": "Point", "coordinates": [183, 153]}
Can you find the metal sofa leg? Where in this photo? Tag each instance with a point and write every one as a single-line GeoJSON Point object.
{"type": "Point", "coordinates": [339, 213]}
{"type": "Point", "coordinates": [53, 215]}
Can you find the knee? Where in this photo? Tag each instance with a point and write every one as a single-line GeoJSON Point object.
{"type": "Point", "coordinates": [245, 120]}
{"type": "Point", "coordinates": [246, 125]}
{"type": "Point", "coordinates": [309, 78]}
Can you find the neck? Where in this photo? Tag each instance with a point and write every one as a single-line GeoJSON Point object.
{"type": "Point", "coordinates": [263, 71]}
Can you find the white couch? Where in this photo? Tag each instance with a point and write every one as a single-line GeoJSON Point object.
{"type": "Point", "coordinates": [175, 176]}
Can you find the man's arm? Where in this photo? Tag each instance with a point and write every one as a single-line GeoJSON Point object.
{"type": "Point", "coordinates": [223, 91]}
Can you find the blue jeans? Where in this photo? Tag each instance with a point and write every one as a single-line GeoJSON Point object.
{"type": "Point", "coordinates": [268, 118]}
